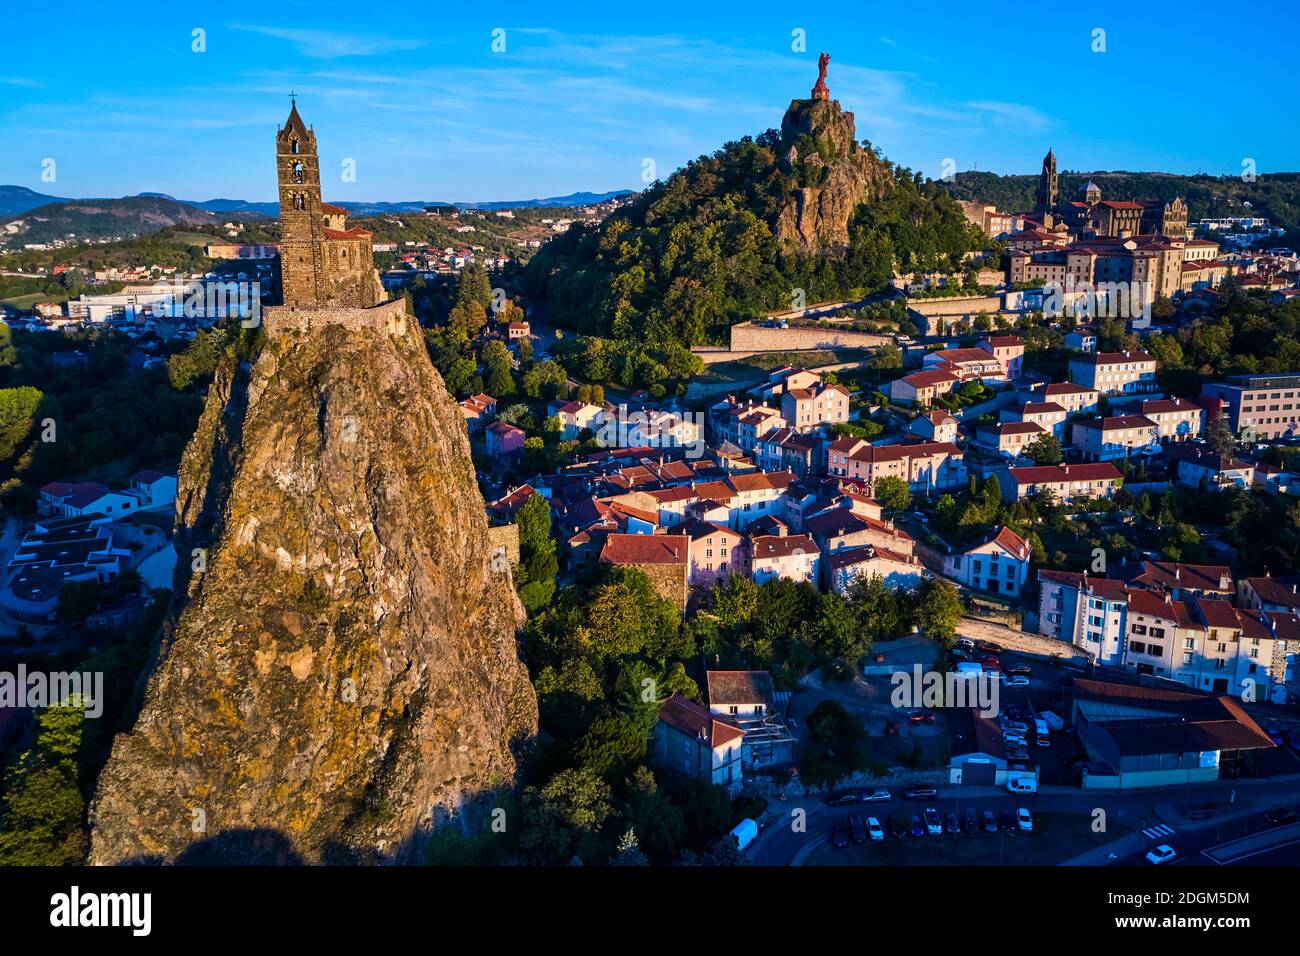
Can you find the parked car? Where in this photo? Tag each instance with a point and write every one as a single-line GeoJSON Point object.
{"type": "Point", "coordinates": [1011, 737]}
{"type": "Point", "coordinates": [1024, 821]}
{"type": "Point", "coordinates": [990, 647]}
{"type": "Point", "coordinates": [1053, 720]}
{"type": "Point", "coordinates": [990, 822]}
{"type": "Point", "coordinates": [1022, 785]}
{"type": "Point", "coordinates": [891, 728]}
{"type": "Point", "coordinates": [1022, 669]}
{"type": "Point", "coordinates": [1017, 753]}
{"type": "Point", "coordinates": [950, 823]}
{"type": "Point", "coordinates": [1280, 815]}
{"type": "Point", "coordinates": [918, 828]}
{"type": "Point", "coordinates": [839, 836]}
{"type": "Point", "coordinates": [965, 643]}
{"type": "Point", "coordinates": [1016, 682]}
{"type": "Point", "coordinates": [842, 798]}
{"type": "Point", "coordinates": [876, 796]}
{"type": "Point", "coordinates": [990, 659]}
{"type": "Point", "coordinates": [972, 823]}
{"type": "Point", "coordinates": [916, 716]}
{"type": "Point", "coordinates": [874, 831]}
{"type": "Point", "coordinates": [933, 823]}
{"type": "Point", "coordinates": [857, 829]}
{"type": "Point", "coordinates": [1006, 820]}
{"type": "Point", "coordinates": [1163, 853]}
{"type": "Point", "coordinates": [920, 793]}
{"type": "Point", "coordinates": [1019, 726]}
{"type": "Point", "coordinates": [1275, 735]}
{"type": "Point", "coordinates": [897, 828]}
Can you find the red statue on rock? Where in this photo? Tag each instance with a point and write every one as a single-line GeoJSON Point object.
{"type": "Point", "coordinates": [820, 92]}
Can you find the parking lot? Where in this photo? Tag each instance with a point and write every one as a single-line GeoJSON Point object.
{"type": "Point", "coordinates": [1056, 836]}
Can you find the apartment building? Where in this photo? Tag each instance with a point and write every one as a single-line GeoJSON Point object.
{"type": "Point", "coordinates": [692, 743]}
{"type": "Point", "coordinates": [795, 557]}
{"type": "Point", "coordinates": [925, 466]}
{"type": "Point", "coordinates": [922, 388]}
{"type": "Point", "coordinates": [970, 364]}
{"type": "Point", "coordinates": [1008, 438]}
{"type": "Point", "coordinates": [1065, 482]}
{"type": "Point", "coordinates": [1177, 419]}
{"type": "Point", "coordinates": [1009, 350]}
{"type": "Point", "coordinates": [1258, 407]}
{"type": "Point", "coordinates": [999, 565]}
{"type": "Point", "coordinates": [805, 408]}
{"type": "Point", "coordinates": [1107, 439]}
{"type": "Point", "coordinates": [1075, 399]}
{"type": "Point", "coordinates": [934, 426]}
{"type": "Point", "coordinates": [1115, 373]}
{"type": "Point", "coordinates": [1048, 416]}
{"type": "Point", "coordinates": [1088, 612]}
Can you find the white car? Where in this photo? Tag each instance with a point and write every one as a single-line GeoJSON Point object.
{"type": "Point", "coordinates": [874, 829]}
{"type": "Point", "coordinates": [1024, 821]}
{"type": "Point", "coordinates": [1015, 681]}
{"type": "Point", "coordinates": [1011, 738]}
{"type": "Point", "coordinates": [877, 796]}
{"type": "Point", "coordinates": [1161, 854]}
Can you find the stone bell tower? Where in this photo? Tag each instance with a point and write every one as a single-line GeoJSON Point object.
{"type": "Point", "coordinates": [302, 224]}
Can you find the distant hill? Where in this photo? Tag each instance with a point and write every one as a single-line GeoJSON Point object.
{"type": "Point", "coordinates": [18, 199]}
{"type": "Point", "coordinates": [148, 212]}
{"type": "Point", "coordinates": [103, 218]}
{"type": "Point", "coordinates": [1275, 195]}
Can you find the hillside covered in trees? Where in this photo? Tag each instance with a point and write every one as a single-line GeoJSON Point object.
{"type": "Point", "coordinates": [699, 251]}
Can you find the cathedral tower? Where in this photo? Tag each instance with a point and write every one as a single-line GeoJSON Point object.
{"type": "Point", "coordinates": [1047, 184]}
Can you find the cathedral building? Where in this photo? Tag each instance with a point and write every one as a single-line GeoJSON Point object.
{"type": "Point", "coordinates": [323, 263]}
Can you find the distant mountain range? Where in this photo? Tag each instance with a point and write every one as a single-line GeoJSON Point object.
{"type": "Point", "coordinates": [16, 200]}
{"type": "Point", "coordinates": [43, 218]}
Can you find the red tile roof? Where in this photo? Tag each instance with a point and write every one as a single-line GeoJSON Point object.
{"type": "Point", "coordinates": [691, 719]}
{"type": "Point", "coordinates": [644, 549]}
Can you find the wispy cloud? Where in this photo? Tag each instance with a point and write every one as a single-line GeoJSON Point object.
{"type": "Point", "coordinates": [21, 81]}
{"type": "Point", "coordinates": [329, 45]}
{"type": "Point", "coordinates": [1016, 115]}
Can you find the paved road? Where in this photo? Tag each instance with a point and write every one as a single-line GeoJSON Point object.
{"type": "Point", "coordinates": [781, 845]}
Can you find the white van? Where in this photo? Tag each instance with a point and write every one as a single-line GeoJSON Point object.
{"type": "Point", "coordinates": [1022, 784]}
{"type": "Point", "coordinates": [744, 833]}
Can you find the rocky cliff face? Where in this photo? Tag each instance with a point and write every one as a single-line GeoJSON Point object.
{"type": "Point", "coordinates": [344, 665]}
{"type": "Point", "coordinates": [833, 175]}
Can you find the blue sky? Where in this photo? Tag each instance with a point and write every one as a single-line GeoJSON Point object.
{"type": "Point", "coordinates": [582, 95]}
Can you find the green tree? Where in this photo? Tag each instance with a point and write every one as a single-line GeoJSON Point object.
{"type": "Point", "coordinates": [940, 609]}
{"type": "Point", "coordinates": [837, 745]}
{"type": "Point", "coordinates": [893, 493]}
{"type": "Point", "coordinates": [1045, 450]}
{"type": "Point", "coordinates": [43, 807]}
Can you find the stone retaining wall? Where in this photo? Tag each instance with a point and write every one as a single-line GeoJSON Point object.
{"type": "Point", "coordinates": [747, 337]}
{"type": "Point", "coordinates": [387, 317]}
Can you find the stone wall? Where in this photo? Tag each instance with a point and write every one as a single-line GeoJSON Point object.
{"type": "Point", "coordinates": [387, 317]}
{"type": "Point", "coordinates": [669, 581]}
{"type": "Point", "coordinates": [505, 536]}
{"type": "Point", "coordinates": [747, 337]}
